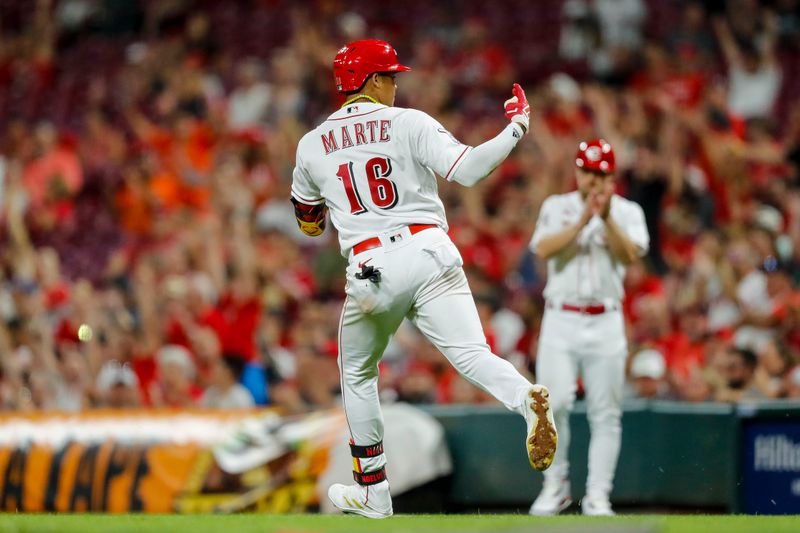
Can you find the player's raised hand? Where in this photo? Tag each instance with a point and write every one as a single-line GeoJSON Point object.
{"type": "Point", "coordinates": [517, 108]}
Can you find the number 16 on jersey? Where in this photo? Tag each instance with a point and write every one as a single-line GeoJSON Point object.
{"type": "Point", "coordinates": [382, 190]}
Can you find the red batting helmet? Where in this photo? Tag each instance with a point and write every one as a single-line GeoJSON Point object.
{"type": "Point", "coordinates": [595, 155]}
{"type": "Point", "coordinates": [355, 62]}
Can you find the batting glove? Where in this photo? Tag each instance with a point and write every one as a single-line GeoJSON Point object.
{"type": "Point", "coordinates": [517, 108]}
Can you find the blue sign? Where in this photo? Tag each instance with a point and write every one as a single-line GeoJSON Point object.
{"type": "Point", "coordinates": [771, 468]}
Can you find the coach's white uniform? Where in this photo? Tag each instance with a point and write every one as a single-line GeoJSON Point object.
{"type": "Point", "coordinates": [374, 166]}
{"type": "Point", "coordinates": [573, 342]}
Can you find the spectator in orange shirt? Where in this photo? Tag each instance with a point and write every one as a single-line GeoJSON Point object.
{"type": "Point", "coordinates": [137, 202]}
{"type": "Point", "coordinates": [185, 152]}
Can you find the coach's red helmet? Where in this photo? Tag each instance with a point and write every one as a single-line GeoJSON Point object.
{"type": "Point", "coordinates": [355, 62]}
{"type": "Point", "coordinates": [596, 155]}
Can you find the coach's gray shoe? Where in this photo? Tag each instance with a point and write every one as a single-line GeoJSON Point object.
{"type": "Point", "coordinates": [596, 506]}
{"type": "Point", "coordinates": [373, 501]}
{"type": "Point", "coordinates": [554, 498]}
{"type": "Point", "coordinates": [542, 437]}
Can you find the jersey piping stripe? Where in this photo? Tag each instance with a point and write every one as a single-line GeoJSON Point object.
{"type": "Point", "coordinates": [359, 115]}
{"type": "Point", "coordinates": [456, 162]}
{"type": "Point", "coordinates": [341, 367]}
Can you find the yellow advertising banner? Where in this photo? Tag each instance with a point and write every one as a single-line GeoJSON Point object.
{"type": "Point", "coordinates": [149, 473]}
{"type": "Point", "coordinates": [197, 461]}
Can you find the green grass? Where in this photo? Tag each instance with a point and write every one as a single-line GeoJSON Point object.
{"type": "Point", "coordinates": [244, 523]}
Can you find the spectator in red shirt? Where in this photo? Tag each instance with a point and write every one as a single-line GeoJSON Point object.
{"type": "Point", "coordinates": [685, 346]}
{"type": "Point", "coordinates": [240, 312]}
{"type": "Point", "coordinates": [52, 179]}
{"type": "Point", "coordinates": [639, 283]}
{"type": "Point", "coordinates": [175, 381]}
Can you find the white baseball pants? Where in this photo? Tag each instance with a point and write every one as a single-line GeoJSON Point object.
{"type": "Point", "coordinates": [594, 346]}
{"type": "Point", "coordinates": [422, 279]}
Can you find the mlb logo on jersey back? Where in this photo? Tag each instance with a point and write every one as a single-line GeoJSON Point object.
{"type": "Point", "coordinates": [352, 109]}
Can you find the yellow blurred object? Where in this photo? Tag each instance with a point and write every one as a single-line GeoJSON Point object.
{"type": "Point", "coordinates": [312, 229]}
{"type": "Point", "coordinates": [85, 333]}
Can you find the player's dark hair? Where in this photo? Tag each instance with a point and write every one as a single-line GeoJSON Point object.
{"type": "Point", "coordinates": [749, 50]}
{"type": "Point", "coordinates": [361, 88]}
{"type": "Point", "coordinates": [235, 364]}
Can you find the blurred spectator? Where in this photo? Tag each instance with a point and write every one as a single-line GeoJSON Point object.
{"type": "Point", "coordinates": [788, 21]}
{"type": "Point", "coordinates": [685, 347]}
{"type": "Point", "coordinates": [144, 228]}
{"type": "Point", "coordinates": [250, 100]}
{"type": "Point", "coordinates": [52, 178]}
{"type": "Point", "coordinates": [754, 76]}
{"type": "Point", "coordinates": [117, 386]}
{"type": "Point", "coordinates": [752, 295]}
{"type": "Point", "coordinates": [578, 31]}
{"type": "Point", "coordinates": [566, 115]}
{"type": "Point", "coordinates": [73, 15]}
{"type": "Point", "coordinates": [102, 146]}
{"type": "Point", "coordinates": [774, 362]}
{"type": "Point", "coordinates": [287, 96]}
{"type": "Point", "coordinates": [621, 21]}
{"type": "Point", "coordinates": [738, 377]}
{"type": "Point", "coordinates": [480, 63]}
{"type": "Point", "coordinates": [199, 45]}
{"type": "Point", "coordinates": [648, 375]}
{"type": "Point", "coordinates": [174, 385]}
{"type": "Point", "coordinates": [691, 36]}
{"type": "Point", "coordinates": [793, 383]}
{"type": "Point", "coordinates": [620, 24]}
{"type": "Point", "coordinates": [225, 391]}
{"type": "Point", "coordinates": [418, 385]}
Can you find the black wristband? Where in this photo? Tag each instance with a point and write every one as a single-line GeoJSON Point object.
{"type": "Point", "coordinates": [370, 478]}
{"type": "Point", "coordinates": [365, 452]}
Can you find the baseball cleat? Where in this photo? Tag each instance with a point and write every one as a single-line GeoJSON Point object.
{"type": "Point", "coordinates": [542, 436]}
{"type": "Point", "coordinates": [373, 501]}
{"type": "Point", "coordinates": [596, 506]}
{"type": "Point", "coordinates": [554, 498]}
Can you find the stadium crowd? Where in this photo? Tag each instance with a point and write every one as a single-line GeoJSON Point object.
{"type": "Point", "coordinates": [150, 255]}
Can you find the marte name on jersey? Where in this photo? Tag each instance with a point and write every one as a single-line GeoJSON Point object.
{"type": "Point", "coordinates": [356, 134]}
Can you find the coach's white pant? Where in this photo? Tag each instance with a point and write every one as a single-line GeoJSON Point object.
{"type": "Point", "coordinates": [594, 346]}
{"type": "Point", "coordinates": [421, 278]}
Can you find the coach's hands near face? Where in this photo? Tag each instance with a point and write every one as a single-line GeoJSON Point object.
{"type": "Point", "coordinates": [598, 202]}
{"type": "Point", "coordinates": [603, 198]}
{"type": "Point", "coordinates": [589, 210]}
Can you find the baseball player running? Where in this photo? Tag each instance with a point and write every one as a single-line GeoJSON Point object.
{"type": "Point", "coordinates": [374, 167]}
{"type": "Point", "coordinates": [587, 237]}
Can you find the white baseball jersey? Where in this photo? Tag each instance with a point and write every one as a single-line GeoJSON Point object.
{"type": "Point", "coordinates": [592, 346]}
{"type": "Point", "coordinates": [374, 166]}
{"type": "Point", "coordinates": [586, 271]}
